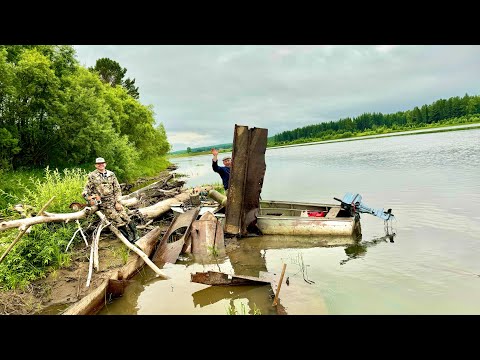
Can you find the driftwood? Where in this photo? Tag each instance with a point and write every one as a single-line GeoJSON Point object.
{"type": "Point", "coordinates": [133, 247]}
{"type": "Point", "coordinates": [149, 212]}
{"type": "Point", "coordinates": [96, 299]}
{"type": "Point", "coordinates": [275, 301]}
{"type": "Point", "coordinates": [24, 230]}
{"type": "Point", "coordinates": [139, 192]}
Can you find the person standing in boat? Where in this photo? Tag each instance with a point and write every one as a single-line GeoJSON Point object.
{"type": "Point", "coordinates": [223, 171]}
{"type": "Point", "coordinates": [102, 189]}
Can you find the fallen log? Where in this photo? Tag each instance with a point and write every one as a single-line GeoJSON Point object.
{"type": "Point", "coordinates": [48, 217]}
{"type": "Point", "coordinates": [163, 206]}
{"type": "Point", "coordinates": [148, 212]}
{"type": "Point", "coordinates": [143, 190]}
{"type": "Point", "coordinates": [24, 230]}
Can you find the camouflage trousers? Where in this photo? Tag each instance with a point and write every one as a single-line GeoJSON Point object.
{"type": "Point", "coordinates": [117, 218]}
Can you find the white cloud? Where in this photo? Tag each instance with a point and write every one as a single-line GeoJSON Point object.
{"type": "Point", "coordinates": [385, 48]}
{"type": "Point", "coordinates": [190, 139]}
{"type": "Point", "coordinates": [199, 92]}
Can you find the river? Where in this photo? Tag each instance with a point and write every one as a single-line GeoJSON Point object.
{"type": "Point", "coordinates": [431, 181]}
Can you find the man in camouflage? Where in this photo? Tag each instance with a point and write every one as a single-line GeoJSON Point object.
{"type": "Point", "coordinates": [102, 189]}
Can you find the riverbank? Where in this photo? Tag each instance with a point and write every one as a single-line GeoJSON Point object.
{"type": "Point", "coordinates": [390, 134]}
{"type": "Point", "coordinates": [442, 128]}
{"type": "Point", "coordinates": [67, 285]}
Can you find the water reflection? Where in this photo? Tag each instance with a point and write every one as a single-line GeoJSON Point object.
{"type": "Point", "coordinates": [248, 258]}
{"type": "Point", "coordinates": [257, 297]}
{"type": "Point", "coordinates": [359, 249]}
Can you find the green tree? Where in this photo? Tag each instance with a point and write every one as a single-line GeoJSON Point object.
{"type": "Point", "coordinates": [129, 85]}
{"type": "Point", "coordinates": [109, 71]}
{"type": "Point", "coordinates": [112, 73]}
{"type": "Point", "coordinates": [189, 150]}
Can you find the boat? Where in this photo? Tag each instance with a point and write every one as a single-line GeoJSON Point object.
{"type": "Point", "coordinates": [299, 218]}
{"type": "Point", "coordinates": [279, 217]}
{"type": "Point", "coordinates": [295, 218]}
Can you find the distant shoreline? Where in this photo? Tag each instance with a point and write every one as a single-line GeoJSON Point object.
{"type": "Point", "coordinates": [365, 137]}
{"type": "Point", "coordinates": [401, 133]}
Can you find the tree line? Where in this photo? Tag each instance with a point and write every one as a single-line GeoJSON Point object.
{"type": "Point", "coordinates": [55, 112]}
{"type": "Point", "coordinates": [439, 111]}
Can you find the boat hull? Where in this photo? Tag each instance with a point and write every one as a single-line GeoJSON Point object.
{"type": "Point", "coordinates": [296, 218]}
{"type": "Point", "coordinates": [291, 225]}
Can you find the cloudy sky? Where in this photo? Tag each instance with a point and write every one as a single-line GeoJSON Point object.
{"type": "Point", "coordinates": [199, 92]}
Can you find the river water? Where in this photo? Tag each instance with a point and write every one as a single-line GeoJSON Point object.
{"type": "Point", "coordinates": [431, 181]}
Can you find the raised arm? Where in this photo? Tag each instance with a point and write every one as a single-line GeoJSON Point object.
{"type": "Point", "coordinates": [215, 154]}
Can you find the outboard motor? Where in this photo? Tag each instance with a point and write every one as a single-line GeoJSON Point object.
{"type": "Point", "coordinates": [353, 203]}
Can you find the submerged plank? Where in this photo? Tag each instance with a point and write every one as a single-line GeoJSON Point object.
{"type": "Point", "coordinates": [222, 279]}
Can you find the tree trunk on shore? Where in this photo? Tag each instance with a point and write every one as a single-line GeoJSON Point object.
{"type": "Point", "coordinates": [149, 212]}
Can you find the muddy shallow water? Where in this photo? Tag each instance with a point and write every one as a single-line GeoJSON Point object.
{"type": "Point", "coordinates": [430, 181]}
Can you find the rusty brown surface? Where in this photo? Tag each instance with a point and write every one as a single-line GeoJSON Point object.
{"type": "Point", "coordinates": [116, 288]}
{"type": "Point", "coordinates": [233, 211]}
{"type": "Point", "coordinates": [219, 278]}
{"type": "Point", "coordinates": [174, 238]}
{"type": "Point", "coordinates": [254, 179]}
{"type": "Point", "coordinates": [207, 237]}
{"type": "Point", "coordinates": [246, 179]}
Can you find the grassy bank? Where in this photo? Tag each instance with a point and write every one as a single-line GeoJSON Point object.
{"type": "Point", "coordinates": [43, 249]}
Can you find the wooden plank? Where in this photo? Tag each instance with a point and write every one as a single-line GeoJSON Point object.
{"type": "Point", "coordinates": [333, 212]}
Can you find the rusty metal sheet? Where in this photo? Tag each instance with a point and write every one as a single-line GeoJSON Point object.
{"type": "Point", "coordinates": [219, 278]}
{"type": "Point", "coordinates": [254, 180]}
{"type": "Point", "coordinates": [246, 179]}
{"type": "Point", "coordinates": [207, 236]}
{"type": "Point", "coordinates": [173, 240]}
{"type": "Point", "coordinates": [116, 288]}
{"type": "Point", "coordinates": [233, 211]}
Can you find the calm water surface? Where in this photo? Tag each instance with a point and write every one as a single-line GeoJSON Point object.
{"type": "Point", "coordinates": [430, 181]}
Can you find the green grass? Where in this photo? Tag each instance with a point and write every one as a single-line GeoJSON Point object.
{"type": "Point", "coordinates": [232, 310]}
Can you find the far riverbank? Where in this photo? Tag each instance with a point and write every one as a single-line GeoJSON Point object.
{"type": "Point", "coordinates": [365, 137]}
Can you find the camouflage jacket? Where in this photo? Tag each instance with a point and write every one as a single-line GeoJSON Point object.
{"type": "Point", "coordinates": [107, 187]}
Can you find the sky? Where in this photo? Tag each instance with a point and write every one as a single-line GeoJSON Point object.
{"type": "Point", "coordinates": [200, 92]}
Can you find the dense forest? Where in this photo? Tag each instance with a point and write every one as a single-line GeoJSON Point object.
{"type": "Point", "coordinates": [453, 111]}
{"type": "Point", "coordinates": [456, 109]}
{"type": "Point", "coordinates": [56, 113]}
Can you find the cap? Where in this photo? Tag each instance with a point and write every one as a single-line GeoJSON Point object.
{"type": "Point", "coordinates": [227, 158]}
{"type": "Point", "coordinates": [99, 160]}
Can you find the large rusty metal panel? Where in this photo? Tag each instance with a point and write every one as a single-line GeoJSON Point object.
{"type": "Point", "coordinates": [233, 211]}
{"type": "Point", "coordinates": [246, 179]}
{"type": "Point", "coordinates": [222, 279]}
{"type": "Point", "coordinates": [173, 240]}
{"type": "Point", "coordinates": [207, 236]}
{"type": "Point", "coordinates": [255, 174]}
